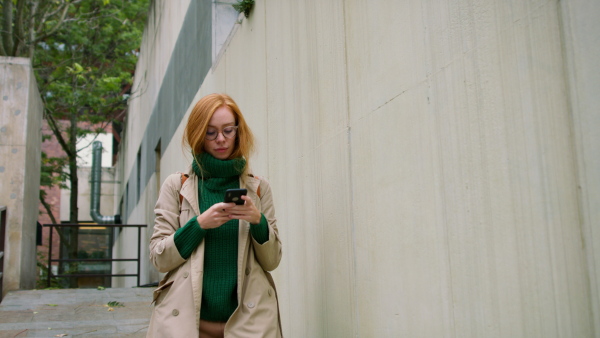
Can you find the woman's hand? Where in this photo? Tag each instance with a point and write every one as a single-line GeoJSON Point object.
{"type": "Point", "coordinates": [215, 216]}
{"type": "Point", "coordinates": [247, 211]}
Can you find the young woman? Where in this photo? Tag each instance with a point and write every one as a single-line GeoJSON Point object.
{"type": "Point", "coordinates": [216, 255]}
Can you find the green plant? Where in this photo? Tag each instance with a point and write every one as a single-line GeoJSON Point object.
{"type": "Point", "coordinates": [244, 6]}
{"type": "Point", "coordinates": [55, 282]}
{"type": "Point", "coordinates": [114, 303]}
{"type": "Point", "coordinates": [42, 276]}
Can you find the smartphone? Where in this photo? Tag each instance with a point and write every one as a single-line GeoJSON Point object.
{"type": "Point", "coordinates": [235, 196]}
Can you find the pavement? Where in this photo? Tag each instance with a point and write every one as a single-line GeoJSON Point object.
{"type": "Point", "coordinates": [76, 313]}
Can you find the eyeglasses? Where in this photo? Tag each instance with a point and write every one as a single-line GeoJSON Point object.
{"type": "Point", "coordinates": [228, 132]}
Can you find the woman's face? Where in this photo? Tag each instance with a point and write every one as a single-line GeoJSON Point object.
{"type": "Point", "coordinates": [221, 147]}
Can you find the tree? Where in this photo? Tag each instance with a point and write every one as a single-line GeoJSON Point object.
{"type": "Point", "coordinates": [84, 71]}
{"type": "Point", "coordinates": [27, 22]}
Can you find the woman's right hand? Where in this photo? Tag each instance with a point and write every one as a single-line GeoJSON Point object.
{"type": "Point", "coordinates": [215, 216]}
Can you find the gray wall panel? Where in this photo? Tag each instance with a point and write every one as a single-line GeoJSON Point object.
{"type": "Point", "coordinates": [188, 66]}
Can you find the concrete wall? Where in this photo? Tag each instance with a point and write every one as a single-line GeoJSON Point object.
{"type": "Point", "coordinates": [20, 145]}
{"type": "Point", "coordinates": [433, 163]}
{"type": "Point", "coordinates": [581, 36]}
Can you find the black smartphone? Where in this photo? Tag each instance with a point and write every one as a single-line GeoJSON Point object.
{"type": "Point", "coordinates": [235, 196]}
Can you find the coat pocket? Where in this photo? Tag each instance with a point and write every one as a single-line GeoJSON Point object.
{"type": "Point", "coordinates": [161, 290]}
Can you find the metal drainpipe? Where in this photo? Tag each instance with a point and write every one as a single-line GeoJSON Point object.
{"type": "Point", "coordinates": [95, 195]}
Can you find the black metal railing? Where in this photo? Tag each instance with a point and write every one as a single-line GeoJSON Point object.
{"type": "Point", "coordinates": [87, 260]}
{"type": "Point", "coordinates": [2, 237]}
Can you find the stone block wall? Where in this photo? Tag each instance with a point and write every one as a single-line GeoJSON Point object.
{"type": "Point", "coordinates": [20, 145]}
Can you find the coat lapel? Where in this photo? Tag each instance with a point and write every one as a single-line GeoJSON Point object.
{"type": "Point", "coordinates": [189, 191]}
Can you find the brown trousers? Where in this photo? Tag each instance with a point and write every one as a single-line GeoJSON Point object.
{"type": "Point", "coordinates": [212, 329]}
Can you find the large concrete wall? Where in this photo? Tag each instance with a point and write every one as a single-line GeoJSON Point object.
{"type": "Point", "coordinates": [581, 36]}
{"type": "Point", "coordinates": [20, 145]}
{"type": "Point", "coordinates": [426, 158]}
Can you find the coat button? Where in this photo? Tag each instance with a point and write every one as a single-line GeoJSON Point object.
{"type": "Point", "coordinates": [247, 271]}
{"type": "Point", "coordinates": [175, 312]}
{"type": "Point", "coordinates": [186, 274]}
{"type": "Point", "coordinates": [251, 305]}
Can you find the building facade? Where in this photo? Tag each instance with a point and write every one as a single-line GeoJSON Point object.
{"type": "Point", "coordinates": [434, 163]}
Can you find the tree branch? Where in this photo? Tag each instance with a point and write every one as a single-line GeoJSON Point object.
{"type": "Point", "coordinates": [43, 8]}
{"type": "Point", "coordinates": [7, 30]}
{"type": "Point", "coordinates": [32, 13]}
{"type": "Point", "coordinates": [59, 9]}
{"type": "Point", "coordinates": [48, 208]}
{"type": "Point", "coordinates": [20, 31]}
{"type": "Point", "coordinates": [2, 50]}
{"type": "Point", "coordinates": [65, 9]}
{"type": "Point", "coordinates": [57, 132]}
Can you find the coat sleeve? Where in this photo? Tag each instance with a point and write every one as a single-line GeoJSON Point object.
{"type": "Point", "coordinates": [163, 252]}
{"type": "Point", "coordinates": [269, 253]}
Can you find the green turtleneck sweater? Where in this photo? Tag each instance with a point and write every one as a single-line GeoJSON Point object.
{"type": "Point", "coordinates": [219, 287]}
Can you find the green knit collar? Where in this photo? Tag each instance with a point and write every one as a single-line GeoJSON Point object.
{"type": "Point", "coordinates": [215, 168]}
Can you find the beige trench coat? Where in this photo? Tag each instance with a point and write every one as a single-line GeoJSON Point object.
{"type": "Point", "coordinates": [177, 300]}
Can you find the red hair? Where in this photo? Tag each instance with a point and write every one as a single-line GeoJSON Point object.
{"type": "Point", "coordinates": [197, 124]}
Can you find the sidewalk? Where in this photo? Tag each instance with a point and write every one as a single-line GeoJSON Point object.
{"type": "Point", "coordinates": [76, 313]}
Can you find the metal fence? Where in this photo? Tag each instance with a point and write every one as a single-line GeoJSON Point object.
{"type": "Point", "coordinates": [88, 260]}
{"type": "Point", "coordinates": [2, 240]}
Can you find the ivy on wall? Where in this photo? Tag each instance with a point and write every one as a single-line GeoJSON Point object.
{"type": "Point", "coordinates": [244, 6]}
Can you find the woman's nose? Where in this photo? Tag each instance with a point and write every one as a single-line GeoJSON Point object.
{"type": "Point", "coordinates": [220, 137]}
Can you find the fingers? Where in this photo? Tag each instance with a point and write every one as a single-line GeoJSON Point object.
{"type": "Point", "coordinates": [248, 200]}
{"type": "Point", "coordinates": [245, 208]}
{"type": "Point", "coordinates": [223, 206]}
{"type": "Point", "coordinates": [247, 211]}
{"type": "Point", "coordinates": [220, 213]}
{"type": "Point", "coordinates": [215, 216]}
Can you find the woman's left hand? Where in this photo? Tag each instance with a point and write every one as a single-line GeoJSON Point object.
{"type": "Point", "coordinates": [247, 211]}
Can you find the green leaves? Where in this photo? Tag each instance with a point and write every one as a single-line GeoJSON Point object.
{"type": "Point", "coordinates": [244, 6]}
{"type": "Point", "coordinates": [87, 66]}
{"type": "Point", "coordinates": [76, 69]}
{"type": "Point", "coordinates": [114, 303]}
{"type": "Point", "coordinates": [111, 83]}
{"type": "Point", "coordinates": [52, 172]}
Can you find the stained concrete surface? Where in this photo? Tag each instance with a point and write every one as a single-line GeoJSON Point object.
{"type": "Point", "coordinates": [76, 313]}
